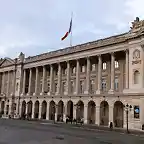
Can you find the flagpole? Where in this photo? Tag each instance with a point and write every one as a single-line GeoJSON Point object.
{"type": "Point", "coordinates": [71, 30]}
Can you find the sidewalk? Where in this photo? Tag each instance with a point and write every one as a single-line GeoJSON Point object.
{"type": "Point", "coordinates": [93, 127]}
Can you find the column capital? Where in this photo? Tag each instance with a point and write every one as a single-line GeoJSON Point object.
{"type": "Point", "coordinates": [112, 53]}
{"type": "Point", "coordinates": [77, 59]}
{"type": "Point", "coordinates": [67, 61]}
{"type": "Point", "coordinates": [88, 57]}
{"type": "Point", "coordinates": [99, 55]}
{"type": "Point", "coordinates": [126, 50]}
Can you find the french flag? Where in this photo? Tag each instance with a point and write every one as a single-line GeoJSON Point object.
{"type": "Point", "coordinates": [68, 32]}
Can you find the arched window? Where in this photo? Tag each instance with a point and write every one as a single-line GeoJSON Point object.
{"type": "Point", "coordinates": [136, 77]}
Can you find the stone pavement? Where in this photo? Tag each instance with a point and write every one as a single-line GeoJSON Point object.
{"type": "Point", "coordinates": [88, 126]}
{"type": "Point", "coordinates": [30, 132]}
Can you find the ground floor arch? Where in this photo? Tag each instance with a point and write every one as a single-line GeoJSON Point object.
{"type": "Point", "coordinates": [29, 109]}
{"type": "Point", "coordinates": [91, 112]}
{"type": "Point", "coordinates": [23, 109]}
{"type": "Point", "coordinates": [118, 114]}
{"type": "Point", "coordinates": [70, 109]}
{"type": "Point", "coordinates": [36, 110]}
{"type": "Point", "coordinates": [104, 113]}
{"type": "Point", "coordinates": [7, 109]}
{"type": "Point", "coordinates": [60, 111]}
{"type": "Point", "coordinates": [2, 107]}
{"type": "Point", "coordinates": [79, 110]}
{"type": "Point", "coordinates": [44, 110]}
{"type": "Point", "coordinates": [52, 110]}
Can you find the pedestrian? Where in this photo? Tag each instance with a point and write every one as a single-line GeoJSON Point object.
{"type": "Point", "coordinates": [111, 125]}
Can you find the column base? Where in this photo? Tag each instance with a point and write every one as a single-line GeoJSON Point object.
{"type": "Point", "coordinates": [98, 92]}
{"type": "Point", "coordinates": [28, 94]}
{"type": "Point", "coordinates": [22, 94]}
{"type": "Point", "coordinates": [42, 93]}
{"type": "Point", "coordinates": [65, 93]}
{"type": "Point", "coordinates": [111, 91]}
{"type": "Point", "coordinates": [11, 94]}
{"type": "Point", "coordinates": [86, 92]}
{"type": "Point", "coordinates": [34, 94]}
{"type": "Point", "coordinates": [85, 121]}
{"type": "Point", "coordinates": [64, 118]}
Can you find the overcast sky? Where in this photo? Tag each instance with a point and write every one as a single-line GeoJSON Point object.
{"type": "Point", "coordinates": [36, 26]}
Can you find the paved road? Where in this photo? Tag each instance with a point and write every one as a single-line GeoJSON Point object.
{"type": "Point", "coordinates": [25, 132]}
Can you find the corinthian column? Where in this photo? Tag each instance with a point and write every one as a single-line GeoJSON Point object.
{"type": "Point", "coordinates": [30, 82]}
{"type": "Point", "coordinates": [127, 70]}
{"type": "Point", "coordinates": [43, 80]}
{"type": "Point", "coordinates": [99, 74]}
{"type": "Point", "coordinates": [24, 82]}
{"type": "Point", "coordinates": [36, 82]}
{"type": "Point", "coordinates": [77, 76]}
{"type": "Point", "coordinates": [59, 79]}
{"type": "Point", "coordinates": [8, 81]}
{"type": "Point", "coordinates": [51, 79]}
{"type": "Point", "coordinates": [68, 77]}
{"type": "Point", "coordinates": [88, 76]}
{"type": "Point", "coordinates": [3, 82]}
{"type": "Point", "coordinates": [112, 73]}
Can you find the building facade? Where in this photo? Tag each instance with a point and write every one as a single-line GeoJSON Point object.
{"type": "Point", "coordinates": [94, 81]}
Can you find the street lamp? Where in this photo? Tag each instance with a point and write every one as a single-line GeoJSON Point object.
{"type": "Point", "coordinates": [127, 108]}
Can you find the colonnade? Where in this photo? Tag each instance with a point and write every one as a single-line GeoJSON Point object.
{"type": "Point", "coordinates": [91, 112]}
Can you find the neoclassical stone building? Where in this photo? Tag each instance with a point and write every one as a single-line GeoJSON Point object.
{"type": "Point", "coordinates": [93, 81]}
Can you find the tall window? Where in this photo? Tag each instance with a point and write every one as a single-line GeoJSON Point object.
{"type": "Point", "coordinates": [64, 87]}
{"type": "Point", "coordinates": [104, 66]}
{"type": "Point", "coordinates": [73, 70]}
{"type": "Point", "coordinates": [82, 86]}
{"type": "Point", "coordinates": [136, 77]}
{"type": "Point", "coordinates": [82, 68]}
{"type": "Point", "coordinates": [56, 87]}
{"type": "Point", "coordinates": [56, 72]}
{"type": "Point", "coordinates": [48, 87]}
{"type": "Point", "coordinates": [116, 85]}
{"type": "Point", "coordinates": [64, 71]}
{"type": "Point", "coordinates": [72, 87]}
{"type": "Point", "coordinates": [103, 84]}
{"type": "Point", "coordinates": [92, 86]}
{"type": "Point", "coordinates": [40, 87]}
{"type": "Point", "coordinates": [93, 67]}
{"type": "Point", "coordinates": [116, 64]}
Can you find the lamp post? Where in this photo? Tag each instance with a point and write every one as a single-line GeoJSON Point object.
{"type": "Point", "coordinates": [127, 108]}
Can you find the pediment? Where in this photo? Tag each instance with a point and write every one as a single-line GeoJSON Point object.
{"type": "Point", "coordinates": [6, 62]}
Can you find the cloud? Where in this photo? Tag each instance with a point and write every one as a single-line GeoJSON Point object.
{"type": "Point", "coordinates": [34, 27]}
{"type": "Point", "coordinates": [135, 8]}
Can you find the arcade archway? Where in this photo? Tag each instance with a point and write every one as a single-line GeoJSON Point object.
{"type": "Point", "coordinates": [44, 110]}
{"type": "Point", "coordinates": [2, 107]}
{"type": "Point", "coordinates": [91, 112]}
{"type": "Point", "coordinates": [70, 109]}
{"type": "Point", "coordinates": [118, 114]}
{"type": "Point", "coordinates": [104, 113]}
{"type": "Point", "coordinates": [29, 110]}
{"type": "Point", "coordinates": [36, 110]}
{"type": "Point", "coordinates": [23, 109]}
{"type": "Point", "coordinates": [52, 110]}
{"type": "Point", "coordinates": [80, 110]}
{"type": "Point", "coordinates": [60, 111]}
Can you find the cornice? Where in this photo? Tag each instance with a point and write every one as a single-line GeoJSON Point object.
{"type": "Point", "coordinates": [113, 40]}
